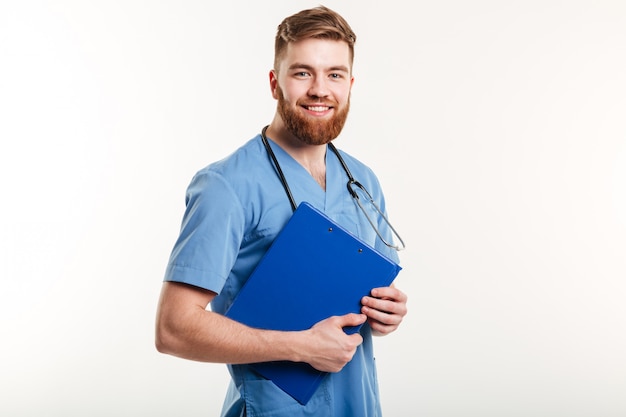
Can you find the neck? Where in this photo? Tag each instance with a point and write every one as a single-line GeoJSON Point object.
{"type": "Point", "coordinates": [311, 157]}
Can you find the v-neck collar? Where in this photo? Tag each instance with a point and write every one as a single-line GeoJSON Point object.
{"type": "Point", "coordinates": [302, 184]}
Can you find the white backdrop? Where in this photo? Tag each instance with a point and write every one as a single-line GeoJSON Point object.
{"type": "Point", "coordinates": [497, 129]}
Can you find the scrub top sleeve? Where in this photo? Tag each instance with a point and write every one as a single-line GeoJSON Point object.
{"type": "Point", "coordinates": [210, 235]}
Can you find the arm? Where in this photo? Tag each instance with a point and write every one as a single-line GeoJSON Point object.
{"type": "Point", "coordinates": [186, 329]}
{"type": "Point", "coordinates": [385, 309]}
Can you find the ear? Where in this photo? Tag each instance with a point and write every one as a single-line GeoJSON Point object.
{"type": "Point", "coordinates": [273, 83]}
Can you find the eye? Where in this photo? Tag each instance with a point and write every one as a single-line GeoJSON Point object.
{"type": "Point", "coordinates": [302, 74]}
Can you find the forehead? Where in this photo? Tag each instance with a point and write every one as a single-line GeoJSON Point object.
{"type": "Point", "coordinates": [317, 53]}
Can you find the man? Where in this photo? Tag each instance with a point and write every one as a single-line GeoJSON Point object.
{"type": "Point", "coordinates": [237, 206]}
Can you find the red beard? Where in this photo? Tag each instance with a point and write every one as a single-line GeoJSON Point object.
{"type": "Point", "coordinates": [309, 130]}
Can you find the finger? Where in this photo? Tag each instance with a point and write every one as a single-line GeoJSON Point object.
{"type": "Point", "coordinates": [351, 319]}
{"type": "Point", "coordinates": [389, 293]}
{"type": "Point", "coordinates": [385, 305]}
{"type": "Point", "coordinates": [356, 338]}
{"type": "Point", "coordinates": [383, 317]}
{"type": "Point", "coordinates": [381, 322]}
{"type": "Point", "coordinates": [381, 328]}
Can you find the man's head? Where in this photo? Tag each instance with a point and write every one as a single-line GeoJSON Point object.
{"type": "Point", "coordinates": [312, 76]}
{"type": "Point", "coordinates": [317, 23]}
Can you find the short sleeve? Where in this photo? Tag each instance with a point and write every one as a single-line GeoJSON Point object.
{"type": "Point", "coordinates": [210, 235]}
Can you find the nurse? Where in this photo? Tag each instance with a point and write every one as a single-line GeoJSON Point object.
{"type": "Point", "coordinates": [235, 208]}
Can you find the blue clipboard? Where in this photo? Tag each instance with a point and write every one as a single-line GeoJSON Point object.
{"type": "Point", "coordinates": [314, 269]}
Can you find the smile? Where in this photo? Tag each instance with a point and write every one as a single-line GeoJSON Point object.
{"type": "Point", "coordinates": [318, 108]}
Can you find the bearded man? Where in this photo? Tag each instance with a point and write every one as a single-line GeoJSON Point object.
{"type": "Point", "coordinates": [237, 206]}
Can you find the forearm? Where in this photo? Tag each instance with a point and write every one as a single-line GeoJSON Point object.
{"type": "Point", "coordinates": [186, 329]}
{"type": "Point", "coordinates": [210, 337]}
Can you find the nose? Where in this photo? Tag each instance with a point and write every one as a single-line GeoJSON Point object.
{"type": "Point", "coordinates": [318, 88]}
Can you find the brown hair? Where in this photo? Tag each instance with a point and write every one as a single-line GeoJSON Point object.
{"type": "Point", "coordinates": [320, 23]}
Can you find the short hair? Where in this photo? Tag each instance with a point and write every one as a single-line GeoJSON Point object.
{"type": "Point", "coordinates": [319, 23]}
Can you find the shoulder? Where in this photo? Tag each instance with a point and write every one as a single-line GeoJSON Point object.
{"type": "Point", "coordinates": [361, 171]}
{"type": "Point", "coordinates": [222, 182]}
{"type": "Point", "coordinates": [236, 169]}
{"type": "Point", "coordinates": [239, 162]}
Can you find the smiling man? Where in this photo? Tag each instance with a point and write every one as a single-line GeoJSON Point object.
{"type": "Point", "coordinates": [318, 88]}
{"type": "Point", "coordinates": [236, 207]}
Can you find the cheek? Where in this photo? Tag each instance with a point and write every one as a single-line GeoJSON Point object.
{"type": "Point", "coordinates": [294, 91]}
{"type": "Point", "coordinates": [343, 95]}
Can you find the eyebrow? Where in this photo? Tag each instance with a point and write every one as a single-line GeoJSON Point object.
{"type": "Point", "coordinates": [296, 65]}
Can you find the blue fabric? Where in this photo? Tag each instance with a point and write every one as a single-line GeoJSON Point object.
{"type": "Point", "coordinates": [234, 209]}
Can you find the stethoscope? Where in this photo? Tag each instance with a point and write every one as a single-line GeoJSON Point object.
{"type": "Point", "coordinates": [354, 187]}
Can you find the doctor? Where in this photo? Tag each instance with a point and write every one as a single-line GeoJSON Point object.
{"type": "Point", "coordinates": [235, 208]}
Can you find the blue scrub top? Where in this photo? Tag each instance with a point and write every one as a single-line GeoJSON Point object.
{"type": "Point", "coordinates": [234, 209]}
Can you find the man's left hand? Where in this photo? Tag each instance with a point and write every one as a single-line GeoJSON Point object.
{"type": "Point", "coordinates": [385, 308]}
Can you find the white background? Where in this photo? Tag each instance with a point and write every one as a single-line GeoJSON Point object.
{"type": "Point", "coordinates": [497, 129]}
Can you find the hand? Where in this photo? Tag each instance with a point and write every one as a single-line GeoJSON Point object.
{"type": "Point", "coordinates": [385, 309]}
{"type": "Point", "coordinates": [330, 347]}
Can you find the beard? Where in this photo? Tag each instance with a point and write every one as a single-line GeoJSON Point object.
{"type": "Point", "coordinates": [309, 130]}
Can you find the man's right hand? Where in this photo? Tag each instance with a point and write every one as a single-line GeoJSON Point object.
{"type": "Point", "coordinates": [330, 348]}
{"type": "Point", "coordinates": [185, 328]}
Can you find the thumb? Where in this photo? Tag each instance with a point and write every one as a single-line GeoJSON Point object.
{"type": "Point", "coordinates": [352, 319]}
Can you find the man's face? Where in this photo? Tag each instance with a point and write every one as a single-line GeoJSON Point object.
{"type": "Point", "coordinates": [312, 85]}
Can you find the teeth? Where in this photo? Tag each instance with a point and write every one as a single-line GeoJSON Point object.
{"type": "Point", "coordinates": [318, 108]}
